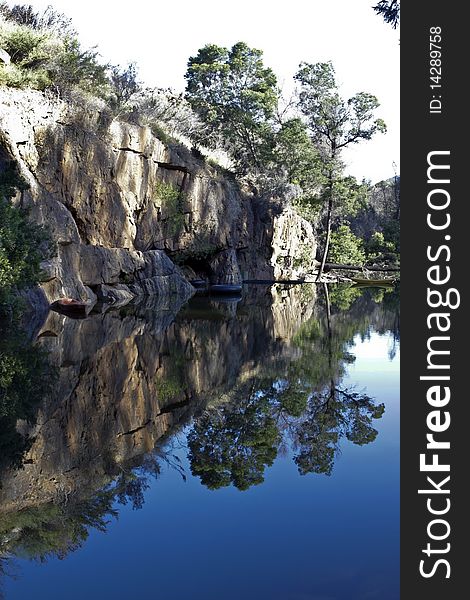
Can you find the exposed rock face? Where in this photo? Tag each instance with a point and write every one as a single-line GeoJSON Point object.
{"type": "Point", "coordinates": [125, 380]}
{"type": "Point", "coordinates": [116, 199]}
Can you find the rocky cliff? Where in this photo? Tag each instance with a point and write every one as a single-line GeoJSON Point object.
{"type": "Point", "coordinates": [122, 207]}
{"type": "Point", "coordinates": [125, 379]}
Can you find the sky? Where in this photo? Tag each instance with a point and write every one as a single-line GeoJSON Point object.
{"type": "Point", "coordinates": [160, 36]}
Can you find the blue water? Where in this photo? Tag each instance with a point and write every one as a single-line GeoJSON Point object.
{"type": "Point", "coordinates": [312, 537]}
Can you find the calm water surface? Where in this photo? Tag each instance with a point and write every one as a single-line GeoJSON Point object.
{"type": "Point", "coordinates": [228, 450]}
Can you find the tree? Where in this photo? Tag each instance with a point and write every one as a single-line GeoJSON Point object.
{"type": "Point", "coordinates": [332, 414]}
{"type": "Point", "coordinates": [334, 124]}
{"type": "Point", "coordinates": [235, 95]}
{"type": "Point", "coordinates": [235, 444]}
{"type": "Point", "coordinates": [389, 10]}
{"type": "Point", "coordinates": [291, 159]}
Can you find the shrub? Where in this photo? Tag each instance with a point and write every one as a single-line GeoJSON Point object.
{"type": "Point", "coordinates": [172, 202]}
{"type": "Point", "coordinates": [13, 76]}
{"type": "Point", "coordinates": [378, 244]}
{"type": "Point", "coordinates": [50, 19]}
{"type": "Point", "coordinates": [381, 249]}
{"type": "Point", "coordinates": [73, 66]}
{"type": "Point", "coordinates": [160, 133]}
{"type": "Point", "coordinates": [41, 57]}
{"type": "Point", "coordinates": [20, 241]}
{"type": "Point", "coordinates": [346, 248]}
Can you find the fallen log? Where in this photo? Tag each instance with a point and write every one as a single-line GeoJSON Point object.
{"type": "Point", "coordinates": [336, 267]}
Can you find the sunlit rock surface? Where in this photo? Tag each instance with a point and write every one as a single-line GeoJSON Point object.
{"type": "Point", "coordinates": [114, 197]}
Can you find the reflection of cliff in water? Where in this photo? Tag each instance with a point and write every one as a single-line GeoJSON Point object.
{"type": "Point", "coordinates": [127, 380]}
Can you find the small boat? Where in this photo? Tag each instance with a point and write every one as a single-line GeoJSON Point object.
{"type": "Point", "coordinates": [225, 288]}
{"type": "Point", "coordinates": [373, 282]}
{"type": "Point", "coordinates": [72, 308]}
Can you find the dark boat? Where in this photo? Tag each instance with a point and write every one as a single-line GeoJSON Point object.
{"type": "Point", "coordinates": [225, 288]}
{"type": "Point", "coordinates": [71, 308]}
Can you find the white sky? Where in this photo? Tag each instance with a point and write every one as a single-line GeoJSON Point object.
{"type": "Point", "coordinates": [160, 36]}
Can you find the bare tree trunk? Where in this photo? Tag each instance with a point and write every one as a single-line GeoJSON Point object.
{"type": "Point", "coordinates": [328, 234]}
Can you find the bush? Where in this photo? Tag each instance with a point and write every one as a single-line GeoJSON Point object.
{"type": "Point", "coordinates": [346, 248]}
{"type": "Point", "coordinates": [20, 241]}
{"type": "Point", "coordinates": [15, 77]}
{"type": "Point", "coordinates": [160, 133]}
{"type": "Point", "coordinates": [42, 58]}
{"type": "Point", "coordinates": [24, 14]}
{"type": "Point", "coordinates": [25, 46]}
{"type": "Point", "coordinates": [383, 250]}
{"type": "Point", "coordinates": [377, 244]}
{"type": "Point", "coordinates": [29, 51]}
{"type": "Point", "coordinates": [172, 201]}
{"type": "Point", "coordinates": [73, 66]}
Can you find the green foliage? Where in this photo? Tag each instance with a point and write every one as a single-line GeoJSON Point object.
{"type": "Point", "coordinates": [332, 414]}
{"type": "Point", "coordinates": [350, 197]}
{"type": "Point", "coordinates": [383, 247]}
{"type": "Point", "coordinates": [234, 445]}
{"type": "Point", "coordinates": [377, 244]}
{"type": "Point", "coordinates": [391, 232]}
{"type": "Point", "coordinates": [42, 56]}
{"type": "Point", "coordinates": [25, 379]}
{"type": "Point", "coordinates": [29, 51]}
{"type": "Point", "coordinates": [25, 46]}
{"type": "Point", "coordinates": [346, 248]}
{"type": "Point", "coordinates": [51, 530]}
{"type": "Point", "coordinates": [235, 95]}
{"type": "Point", "coordinates": [55, 529]}
{"type": "Point", "coordinates": [21, 242]}
{"type": "Point", "coordinates": [160, 133]}
{"type": "Point", "coordinates": [335, 123]}
{"type": "Point", "coordinates": [291, 159]}
{"type": "Point", "coordinates": [300, 401]}
{"type": "Point", "coordinates": [171, 385]}
{"type": "Point", "coordinates": [343, 295]}
{"type": "Point", "coordinates": [378, 223]}
{"type": "Point", "coordinates": [331, 119]}
{"type": "Point", "coordinates": [72, 66]}
{"type": "Point", "coordinates": [172, 202]}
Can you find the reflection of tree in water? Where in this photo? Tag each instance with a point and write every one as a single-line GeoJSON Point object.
{"type": "Point", "coordinates": [330, 416]}
{"type": "Point", "coordinates": [57, 528]}
{"type": "Point", "coordinates": [301, 403]}
{"type": "Point", "coordinates": [234, 445]}
{"type": "Point", "coordinates": [26, 377]}
{"type": "Point", "coordinates": [236, 442]}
